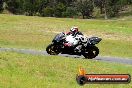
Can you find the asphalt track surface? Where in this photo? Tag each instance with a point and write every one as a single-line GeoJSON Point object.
{"type": "Point", "coordinates": [98, 58]}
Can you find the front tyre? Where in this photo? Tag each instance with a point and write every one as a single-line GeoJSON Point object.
{"type": "Point", "coordinates": [52, 49]}
{"type": "Point", "coordinates": [91, 52]}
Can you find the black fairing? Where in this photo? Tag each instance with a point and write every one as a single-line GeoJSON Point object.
{"type": "Point", "coordinates": [94, 40]}
{"type": "Point", "coordinates": [58, 38]}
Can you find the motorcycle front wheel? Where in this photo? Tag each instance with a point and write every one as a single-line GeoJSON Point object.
{"type": "Point", "coordinates": [91, 52]}
{"type": "Point", "coordinates": [52, 49]}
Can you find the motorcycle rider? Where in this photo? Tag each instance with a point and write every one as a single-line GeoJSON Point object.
{"type": "Point", "coordinates": [74, 32]}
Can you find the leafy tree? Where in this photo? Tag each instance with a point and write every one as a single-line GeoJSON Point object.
{"type": "Point", "coordinates": [43, 4]}
{"type": "Point", "coordinates": [59, 9]}
{"type": "Point", "coordinates": [100, 4]}
{"type": "Point", "coordinates": [110, 8]}
{"type": "Point", "coordinates": [85, 7]}
{"type": "Point", "coordinates": [1, 5]}
{"type": "Point", "coordinates": [14, 6]}
{"type": "Point", "coordinates": [113, 7]}
{"type": "Point", "coordinates": [48, 11]}
{"type": "Point", "coordinates": [70, 12]}
{"type": "Point", "coordinates": [64, 8]}
{"type": "Point", "coordinates": [65, 2]}
{"type": "Point", "coordinates": [31, 7]}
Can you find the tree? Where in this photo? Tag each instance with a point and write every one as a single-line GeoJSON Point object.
{"type": "Point", "coordinates": [59, 9]}
{"type": "Point", "coordinates": [113, 7]}
{"type": "Point", "coordinates": [110, 8]}
{"type": "Point", "coordinates": [15, 6]}
{"type": "Point", "coordinates": [66, 8]}
{"type": "Point", "coordinates": [31, 7]}
{"type": "Point", "coordinates": [100, 4]}
{"type": "Point", "coordinates": [1, 5]}
{"type": "Point", "coordinates": [129, 1]}
{"type": "Point", "coordinates": [48, 11]}
{"type": "Point", "coordinates": [42, 4]}
{"type": "Point", "coordinates": [85, 7]}
{"type": "Point", "coordinates": [70, 12]}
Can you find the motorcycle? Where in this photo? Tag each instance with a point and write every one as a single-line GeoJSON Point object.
{"type": "Point", "coordinates": [88, 50]}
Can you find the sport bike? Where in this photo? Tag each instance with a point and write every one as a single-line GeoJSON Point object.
{"type": "Point", "coordinates": [88, 48]}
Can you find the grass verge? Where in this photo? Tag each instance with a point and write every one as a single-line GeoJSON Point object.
{"type": "Point", "coordinates": [28, 71]}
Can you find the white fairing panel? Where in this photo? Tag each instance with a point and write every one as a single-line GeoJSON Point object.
{"type": "Point", "coordinates": [74, 40]}
{"type": "Point", "coordinates": [70, 39]}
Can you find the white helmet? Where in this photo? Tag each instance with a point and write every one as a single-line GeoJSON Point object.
{"type": "Point", "coordinates": [74, 29]}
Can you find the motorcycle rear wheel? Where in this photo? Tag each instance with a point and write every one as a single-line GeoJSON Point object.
{"type": "Point", "coordinates": [52, 50]}
{"type": "Point", "coordinates": [91, 52]}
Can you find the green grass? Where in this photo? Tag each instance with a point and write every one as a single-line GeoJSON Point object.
{"type": "Point", "coordinates": [37, 32]}
{"type": "Point", "coordinates": [28, 71]}
{"type": "Point", "coordinates": [115, 48]}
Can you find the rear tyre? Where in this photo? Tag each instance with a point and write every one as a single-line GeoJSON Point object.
{"type": "Point", "coordinates": [52, 49]}
{"type": "Point", "coordinates": [91, 53]}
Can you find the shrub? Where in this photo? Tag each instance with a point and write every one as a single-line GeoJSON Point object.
{"type": "Point", "coordinates": [70, 12]}
{"type": "Point", "coordinates": [48, 11]}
